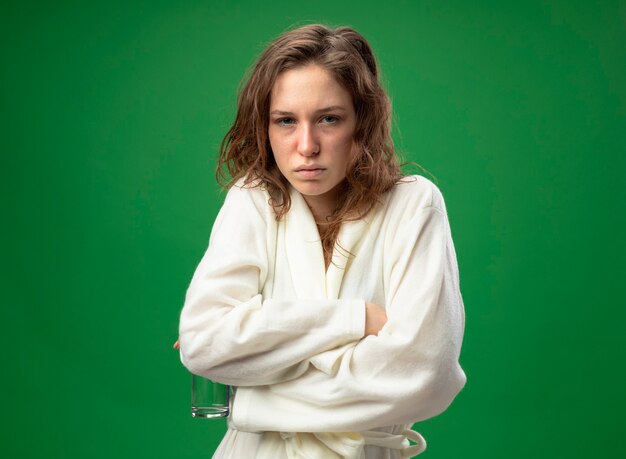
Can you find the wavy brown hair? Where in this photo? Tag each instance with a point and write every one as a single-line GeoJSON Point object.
{"type": "Point", "coordinates": [246, 152]}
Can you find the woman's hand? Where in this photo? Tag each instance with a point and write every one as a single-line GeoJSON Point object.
{"type": "Point", "coordinates": [176, 345]}
{"type": "Point", "coordinates": [375, 319]}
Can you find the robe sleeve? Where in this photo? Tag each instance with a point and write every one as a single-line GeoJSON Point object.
{"type": "Point", "coordinates": [409, 372]}
{"type": "Point", "coordinates": [227, 332]}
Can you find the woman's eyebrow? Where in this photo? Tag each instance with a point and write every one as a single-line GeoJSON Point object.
{"type": "Point", "coordinates": [280, 112]}
{"type": "Point", "coordinates": [331, 108]}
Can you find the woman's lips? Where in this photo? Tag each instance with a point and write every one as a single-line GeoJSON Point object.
{"type": "Point", "coordinates": [310, 172]}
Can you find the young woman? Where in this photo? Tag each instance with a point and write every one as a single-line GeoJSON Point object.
{"type": "Point", "coordinates": [329, 293]}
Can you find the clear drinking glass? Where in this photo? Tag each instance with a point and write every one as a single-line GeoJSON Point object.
{"type": "Point", "coordinates": [209, 399]}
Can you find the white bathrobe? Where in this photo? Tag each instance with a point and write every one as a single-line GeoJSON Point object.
{"type": "Point", "coordinates": [264, 315]}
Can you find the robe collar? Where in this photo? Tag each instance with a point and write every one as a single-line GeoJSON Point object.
{"type": "Point", "coordinates": [305, 254]}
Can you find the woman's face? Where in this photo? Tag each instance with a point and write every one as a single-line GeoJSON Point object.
{"type": "Point", "coordinates": [311, 129]}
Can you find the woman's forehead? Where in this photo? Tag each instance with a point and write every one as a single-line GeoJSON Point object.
{"type": "Point", "coordinates": [311, 86]}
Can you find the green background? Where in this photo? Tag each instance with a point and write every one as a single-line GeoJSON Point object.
{"type": "Point", "coordinates": [111, 115]}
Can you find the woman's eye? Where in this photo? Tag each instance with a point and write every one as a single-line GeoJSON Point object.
{"type": "Point", "coordinates": [285, 121]}
{"type": "Point", "coordinates": [329, 119]}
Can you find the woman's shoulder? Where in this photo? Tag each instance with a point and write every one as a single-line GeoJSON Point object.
{"type": "Point", "coordinates": [414, 192]}
{"type": "Point", "coordinates": [245, 204]}
{"type": "Point", "coordinates": [244, 193]}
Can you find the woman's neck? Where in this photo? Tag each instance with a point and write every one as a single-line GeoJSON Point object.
{"type": "Point", "coordinates": [324, 205]}
{"type": "Point", "coordinates": [321, 210]}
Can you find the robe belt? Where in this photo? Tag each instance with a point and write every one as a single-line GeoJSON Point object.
{"type": "Point", "coordinates": [323, 445]}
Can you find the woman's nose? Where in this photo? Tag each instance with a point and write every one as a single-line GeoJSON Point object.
{"type": "Point", "coordinates": [308, 144]}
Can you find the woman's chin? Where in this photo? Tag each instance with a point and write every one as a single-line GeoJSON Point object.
{"type": "Point", "coordinates": [313, 189]}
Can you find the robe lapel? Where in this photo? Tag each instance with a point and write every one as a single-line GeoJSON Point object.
{"type": "Point", "coordinates": [304, 250]}
{"type": "Point", "coordinates": [350, 236]}
{"type": "Point", "coordinates": [305, 255]}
